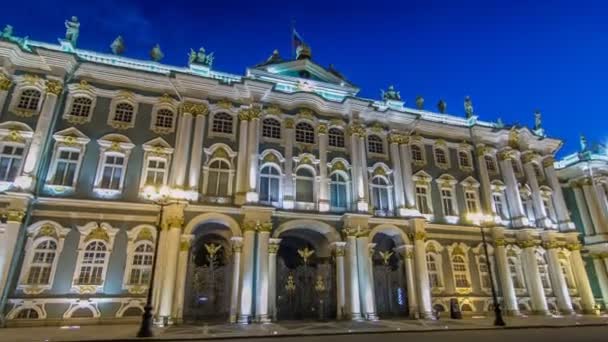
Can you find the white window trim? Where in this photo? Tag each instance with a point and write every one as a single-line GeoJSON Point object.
{"type": "Point", "coordinates": [441, 145]}
{"type": "Point", "coordinates": [336, 148]}
{"type": "Point", "coordinates": [123, 97]}
{"type": "Point", "coordinates": [37, 233]}
{"type": "Point", "coordinates": [470, 185]}
{"type": "Point", "coordinates": [389, 191]}
{"type": "Point", "coordinates": [448, 182]}
{"type": "Point", "coordinates": [235, 124]}
{"type": "Point", "coordinates": [23, 83]}
{"type": "Point", "coordinates": [348, 184]}
{"type": "Point", "coordinates": [159, 149]}
{"type": "Point", "coordinates": [39, 307]}
{"type": "Point", "coordinates": [422, 152]}
{"type": "Point", "coordinates": [460, 249]}
{"type": "Point", "coordinates": [314, 130]}
{"type": "Point", "coordinates": [89, 233]}
{"type": "Point", "coordinates": [494, 161]}
{"type": "Point", "coordinates": [479, 252]}
{"type": "Point", "coordinates": [281, 129]}
{"type": "Point", "coordinates": [6, 185]}
{"type": "Point", "coordinates": [469, 168]}
{"type": "Point", "coordinates": [224, 153]}
{"type": "Point", "coordinates": [540, 256]}
{"type": "Point", "coordinates": [434, 248]}
{"type": "Point", "coordinates": [76, 91]}
{"type": "Point", "coordinates": [136, 236]}
{"type": "Point", "coordinates": [514, 253]}
{"type": "Point", "coordinates": [315, 183]}
{"type": "Point", "coordinates": [117, 145]}
{"type": "Point", "coordinates": [498, 189]}
{"type": "Point", "coordinates": [69, 139]}
{"type": "Point", "coordinates": [383, 141]}
{"type": "Point", "coordinates": [280, 176]}
{"type": "Point", "coordinates": [423, 179]}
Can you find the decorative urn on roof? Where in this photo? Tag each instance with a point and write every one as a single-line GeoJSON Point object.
{"type": "Point", "coordinates": [303, 52]}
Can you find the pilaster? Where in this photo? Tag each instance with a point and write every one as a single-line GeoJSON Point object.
{"type": "Point", "coordinates": [516, 208]}
{"type": "Point", "coordinates": [504, 273]}
{"type": "Point", "coordinates": [196, 154]}
{"type": "Point", "coordinates": [540, 211]}
{"type": "Point", "coordinates": [5, 85]}
{"type": "Point", "coordinates": [323, 180]}
{"type": "Point", "coordinates": [558, 280]}
{"type": "Point", "coordinates": [394, 140]}
{"type": "Point", "coordinates": [418, 235]}
{"type": "Point", "coordinates": [563, 214]}
{"type": "Point", "coordinates": [242, 159]}
{"type": "Point", "coordinates": [528, 243]}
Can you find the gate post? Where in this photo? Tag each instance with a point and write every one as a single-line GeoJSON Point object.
{"type": "Point", "coordinates": [340, 293]}
{"type": "Point", "coordinates": [237, 244]}
{"type": "Point", "coordinates": [273, 248]}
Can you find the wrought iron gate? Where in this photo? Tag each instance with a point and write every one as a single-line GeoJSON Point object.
{"type": "Point", "coordinates": [390, 289]}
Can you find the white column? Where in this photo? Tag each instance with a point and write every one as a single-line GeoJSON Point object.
{"type": "Point", "coordinates": [516, 208]}
{"type": "Point", "coordinates": [261, 304]}
{"type": "Point", "coordinates": [397, 176]}
{"type": "Point", "coordinates": [601, 194]}
{"type": "Point", "coordinates": [160, 269]}
{"type": "Point", "coordinates": [484, 179]}
{"type": "Point", "coordinates": [597, 216]}
{"type": "Point", "coordinates": [371, 249]}
{"type": "Point", "coordinates": [169, 276]}
{"type": "Point", "coordinates": [365, 278]}
{"type": "Point", "coordinates": [254, 144]}
{"type": "Point", "coordinates": [196, 155]}
{"type": "Point", "coordinates": [602, 277]}
{"type": "Point", "coordinates": [407, 252]}
{"type": "Point", "coordinates": [340, 281]}
{"type": "Point", "coordinates": [504, 273]}
{"type": "Point", "coordinates": [422, 273]}
{"type": "Point", "coordinates": [182, 147]}
{"type": "Point", "coordinates": [359, 166]}
{"type": "Point", "coordinates": [406, 173]}
{"type": "Point", "coordinates": [561, 209]}
{"type": "Point", "coordinates": [533, 281]}
{"type": "Point", "coordinates": [582, 280]}
{"type": "Point", "coordinates": [273, 248]}
{"type": "Point", "coordinates": [357, 186]}
{"type": "Point", "coordinates": [323, 180]}
{"type": "Point", "coordinates": [581, 204]}
{"type": "Point", "coordinates": [242, 159]}
{"type": "Point", "coordinates": [237, 244]}
{"type": "Point", "coordinates": [5, 85]}
{"type": "Point", "coordinates": [288, 190]}
{"type": "Point", "coordinates": [558, 280]}
{"type": "Point", "coordinates": [354, 302]}
{"type": "Point", "coordinates": [247, 271]}
{"type": "Point", "coordinates": [180, 282]}
{"type": "Point", "coordinates": [8, 242]}
{"type": "Point", "coordinates": [540, 212]}
{"type": "Point", "coordinates": [364, 176]}
{"type": "Point", "coordinates": [43, 125]}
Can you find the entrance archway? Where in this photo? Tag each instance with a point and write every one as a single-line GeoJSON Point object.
{"type": "Point", "coordinates": [305, 277]}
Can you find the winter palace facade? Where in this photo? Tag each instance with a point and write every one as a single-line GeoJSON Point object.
{"type": "Point", "coordinates": [284, 196]}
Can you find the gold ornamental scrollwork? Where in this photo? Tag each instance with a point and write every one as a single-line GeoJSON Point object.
{"type": "Point", "coordinates": [322, 129]}
{"type": "Point", "coordinates": [224, 104]}
{"type": "Point", "coordinates": [340, 252]}
{"type": "Point", "coordinates": [184, 245]}
{"type": "Point", "coordinates": [14, 215]}
{"type": "Point", "coordinates": [54, 87]}
{"type": "Point", "coordinates": [98, 233]}
{"type": "Point", "coordinates": [255, 112]}
{"type": "Point", "coordinates": [5, 82]}
{"type": "Point", "coordinates": [244, 115]}
{"type": "Point", "coordinates": [264, 227]}
{"type": "Point", "coordinates": [548, 161]}
{"type": "Point", "coordinates": [386, 256]}
{"type": "Point", "coordinates": [273, 248]}
{"type": "Point", "coordinates": [195, 108]}
{"type": "Point", "coordinates": [574, 246]}
{"type": "Point", "coordinates": [357, 130]}
{"type": "Point", "coordinates": [551, 244]}
{"type": "Point", "coordinates": [289, 123]}
{"type": "Point", "coordinates": [273, 109]}
{"type": "Point", "coordinates": [420, 236]}
{"type": "Point", "coordinates": [527, 243]}
{"type": "Point", "coordinates": [500, 242]}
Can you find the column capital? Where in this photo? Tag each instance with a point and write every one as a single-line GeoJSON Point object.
{"type": "Point", "coordinates": [551, 244]}
{"type": "Point", "coordinates": [339, 248]}
{"type": "Point", "coordinates": [527, 243]}
{"type": "Point", "coordinates": [549, 161]}
{"type": "Point", "coordinates": [273, 245]}
{"type": "Point", "coordinates": [500, 242]}
{"type": "Point", "coordinates": [506, 155]}
{"type": "Point", "coordinates": [265, 227]}
{"type": "Point", "coordinates": [481, 150]}
{"type": "Point", "coordinates": [5, 82]}
{"type": "Point", "coordinates": [529, 156]}
{"type": "Point", "coordinates": [289, 123]}
{"type": "Point", "coordinates": [195, 108]}
{"type": "Point", "coordinates": [14, 215]}
{"type": "Point", "coordinates": [357, 129]}
{"type": "Point", "coordinates": [184, 244]}
{"type": "Point", "coordinates": [574, 246]}
{"type": "Point", "coordinates": [322, 128]}
{"type": "Point", "coordinates": [54, 87]}
{"type": "Point", "coordinates": [396, 138]}
{"type": "Point", "coordinates": [406, 251]}
{"type": "Point", "coordinates": [356, 232]}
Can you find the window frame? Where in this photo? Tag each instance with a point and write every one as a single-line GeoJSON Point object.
{"type": "Point", "coordinates": [447, 182]}
{"type": "Point", "coordinates": [25, 151]}
{"type": "Point", "coordinates": [312, 179]}
{"type": "Point", "coordinates": [72, 140]}
{"type": "Point", "coordinates": [375, 190]}
{"type": "Point", "coordinates": [18, 93]}
{"type": "Point", "coordinates": [307, 134]}
{"type": "Point", "coordinates": [76, 91]}
{"type": "Point", "coordinates": [462, 251]}
{"type": "Point", "coordinates": [418, 162]}
{"type": "Point", "coordinates": [212, 120]}
{"type": "Point", "coordinates": [337, 137]}
{"type": "Point", "coordinates": [346, 183]}
{"type": "Point", "coordinates": [278, 177]}
{"type": "Point", "coordinates": [223, 153]}
{"type": "Point", "coordinates": [434, 250]}
{"type": "Point", "coordinates": [467, 154]}
{"type": "Point", "coordinates": [122, 98]}
{"type": "Point", "coordinates": [112, 145]}
{"type": "Point", "coordinates": [380, 145]}
{"type": "Point", "coordinates": [137, 236]}
{"type": "Point", "coordinates": [156, 110]}
{"type": "Point", "coordinates": [272, 129]}
{"type": "Point", "coordinates": [440, 147]}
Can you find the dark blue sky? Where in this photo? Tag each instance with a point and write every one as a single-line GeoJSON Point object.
{"type": "Point", "coordinates": [511, 57]}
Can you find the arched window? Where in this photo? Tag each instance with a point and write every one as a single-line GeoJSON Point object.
{"type": "Point", "coordinates": [10, 162]}
{"type": "Point", "coordinates": [304, 185]}
{"type": "Point", "coordinates": [441, 157]}
{"type": "Point", "coordinates": [380, 197]}
{"type": "Point", "coordinates": [164, 118]}
{"type": "Point", "coordinates": [374, 144]}
{"type": "Point", "coordinates": [463, 159]}
{"type": "Point", "coordinates": [305, 133]}
{"type": "Point", "coordinates": [336, 137]}
{"type": "Point", "coordinates": [27, 314]}
{"type": "Point", "coordinates": [222, 123]}
{"type": "Point", "coordinates": [271, 128]}
{"type": "Point", "coordinates": [416, 152]}
{"type": "Point", "coordinates": [93, 264]}
{"type": "Point", "coordinates": [29, 99]}
{"type": "Point", "coordinates": [338, 186]}
{"type": "Point", "coordinates": [433, 270]}
{"type": "Point", "coordinates": [81, 107]}
{"type": "Point", "coordinates": [219, 175]}
{"type": "Point", "coordinates": [270, 180]}
{"type": "Point", "coordinates": [123, 113]}
{"type": "Point", "coordinates": [490, 164]}
{"type": "Point", "coordinates": [41, 264]}
{"type": "Point", "coordinates": [460, 270]}
{"type": "Point", "coordinates": [543, 270]}
{"type": "Point", "coordinates": [141, 265]}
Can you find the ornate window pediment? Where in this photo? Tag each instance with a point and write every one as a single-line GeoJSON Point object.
{"type": "Point", "coordinates": [157, 158]}
{"type": "Point", "coordinates": [15, 138]}
{"type": "Point", "coordinates": [68, 153]}
{"type": "Point", "coordinates": [140, 255]}
{"type": "Point", "coordinates": [81, 103]}
{"type": "Point", "coordinates": [123, 110]}
{"type": "Point", "coordinates": [115, 150]}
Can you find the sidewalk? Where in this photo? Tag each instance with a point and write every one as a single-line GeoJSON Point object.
{"type": "Point", "coordinates": [221, 331]}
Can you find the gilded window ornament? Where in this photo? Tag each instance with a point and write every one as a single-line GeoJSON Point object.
{"type": "Point", "coordinates": [145, 234]}
{"type": "Point", "coordinates": [30, 79]}
{"type": "Point", "coordinates": [224, 104]}
{"type": "Point", "coordinates": [379, 171]}
{"type": "Point", "coordinates": [98, 233]}
{"type": "Point", "coordinates": [322, 128]}
{"type": "Point", "coordinates": [15, 136]}
{"type": "Point", "coordinates": [48, 231]}
{"type": "Point", "coordinates": [271, 158]}
{"type": "Point", "coordinates": [458, 251]}
{"type": "Point", "coordinates": [338, 166]}
{"type": "Point", "coordinates": [220, 153]}
{"type": "Point", "coordinates": [306, 160]}
{"type": "Point", "coordinates": [377, 128]}
{"type": "Point", "coordinates": [273, 109]}
{"type": "Point", "coordinates": [5, 82]}
{"type": "Point", "coordinates": [83, 86]}
{"type": "Point", "coordinates": [165, 98]}
{"type": "Point", "coordinates": [125, 95]}
{"type": "Point", "coordinates": [306, 113]}
{"type": "Point", "coordinates": [441, 143]}
{"type": "Point", "coordinates": [289, 123]}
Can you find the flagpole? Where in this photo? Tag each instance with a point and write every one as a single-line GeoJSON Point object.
{"type": "Point", "coordinates": [293, 28]}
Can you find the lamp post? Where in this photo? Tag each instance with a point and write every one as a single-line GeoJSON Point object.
{"type": "Point", "coordinates": [482, 219]}
{"type": "Point", "coordinates": [160, 197]}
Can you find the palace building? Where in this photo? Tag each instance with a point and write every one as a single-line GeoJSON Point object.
{"type": "Point", "coordinates": [275, 195]}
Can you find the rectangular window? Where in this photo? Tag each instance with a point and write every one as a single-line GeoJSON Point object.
{"type": "Point", "coordinates": [447, 202]}
{"type": "Point", "coordinates": [422, 200]}
{"type": "Point", "coordinates": [498, 206]}
{"type": "Point", "coordinates": [155, 172]}
{"type": "Point", "coordinates": [471, 201]}
{"type": "Point", "coordinates": [65, 169]}
{"type": "Point", "coordinates": [10, 162]}
{"type": "Point", "coordinates": [113, 171]}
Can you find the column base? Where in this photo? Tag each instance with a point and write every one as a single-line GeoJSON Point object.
{"type": "Point", "coordinates": [244, 319]}
{"type": "Point", "coordinates": [565, 226]}
{"type": "Point", "coordinates": [323, 206]}
{"type": "Point", "coordinates": [409, 212]}
{"type": "Point", "coordinates": [567, 312]}
{"type": "Point", "coordinates": [252, 197]}
{"type": "Point", "coordinates": [262, 319]}
{"type": "Point", "coordinates": [512, 313]}
{"type": "Point", "coordinates": [356, 316]}
{"type": "Point", "coordinates": [288, 204]}
{"type": "Point", "coordinates": [232, 319]}
{"type": "Point", "coordinates": [521, 222]}
{"type": "Point", "coordinates": [427, 315]}
{"type": "Point", "coordinates": [372, 316]}
{"type": "Point", "coordinates": [362, 206]}
{"type": "Point", "coordinates": [239, 198]}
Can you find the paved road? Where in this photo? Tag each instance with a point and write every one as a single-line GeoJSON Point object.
{"type": "Point", "coordinates": [572, 334]}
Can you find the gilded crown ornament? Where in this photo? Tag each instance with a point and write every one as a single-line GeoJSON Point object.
{"type": "Point", "coordinates": [201, 57]}
{"type": "Point", "coordinates": [386, 256]}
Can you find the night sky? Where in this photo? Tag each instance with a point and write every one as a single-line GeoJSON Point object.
{"type": "Point", "coordinates": [511, 57]}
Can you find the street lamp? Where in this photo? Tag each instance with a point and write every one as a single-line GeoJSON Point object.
{"type": "Point", "coordinates": [160, 197]}
{"type": "Point", "coordinates": [481, 220]}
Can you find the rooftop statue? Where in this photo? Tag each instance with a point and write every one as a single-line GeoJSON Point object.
{"type": "Point", "coordinates": [468, 107]}
{"type": "Point", "coordinates": [442, 106]}
{"type": "Point", "coordinates": [7, 32]}
{"type": "Point", "coordinates": [419, 102]}
{"type": "Point", "coordinates": [200, 57]}
{"type": "Point", "coordinates": [72, 29]}
{"type": "Point", "coordinates": [538, 121]}
{"type": "Point", "coordinates": [118, 46]}
{"type": "Point", "coordinates": [391, 94]}
{"type": "Point", "coordinates": [500, 124]}
{"type": "Point", "coordinates": [583, 142]}
{"type": "Point", "coordinates": [156, 53]}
